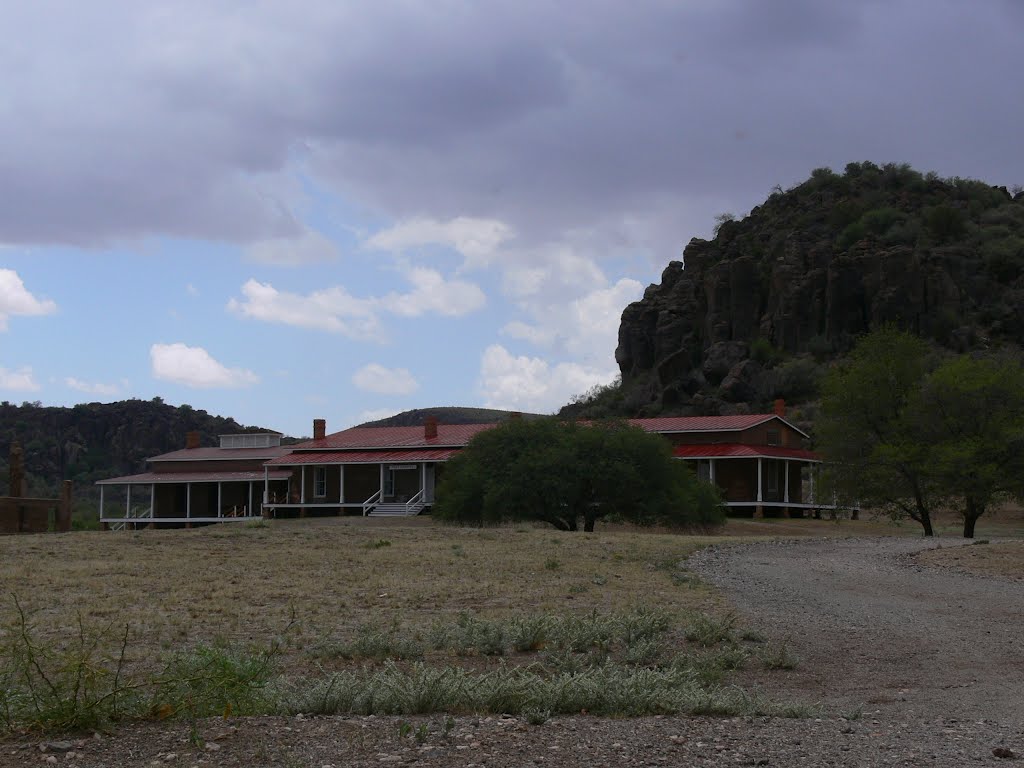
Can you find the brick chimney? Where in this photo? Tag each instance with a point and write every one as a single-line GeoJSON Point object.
{"type": "Point", "coordinates": [319, 429]}
{"type": "Point", "coordinates": [191, 440]}
{"type": "Point", "coordinates": [780, 408]}
{"type": "Point", "coordinates": [429, 428]}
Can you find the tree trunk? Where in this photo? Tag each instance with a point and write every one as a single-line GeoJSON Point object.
{"type": "Point", "coordinates": [588, 523]}
{"type": "Point", "coordinates": [926, 523]}
{"type": "Point", "coordinates": [973, 509]}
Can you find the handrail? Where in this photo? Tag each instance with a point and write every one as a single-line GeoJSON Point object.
{"type": "Point", "coordinates": [372, 502]}
{"type": "Point", "coordinates": [414, 501]}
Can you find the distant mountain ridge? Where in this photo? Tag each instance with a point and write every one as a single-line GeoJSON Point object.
{"type": "Point", "coordinates": [446, 415]}
{"type": "Point", "coordinates": [92, 441]}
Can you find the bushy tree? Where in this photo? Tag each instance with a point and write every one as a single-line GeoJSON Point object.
{"type": "Point", "coordinates": [866, 432]}
{"type": "Point", "coordinates": [969, 413]}
{"type": "Point", "coordinates": [565, 474]}
{"type": "Point", "coordinates": [907, 433]}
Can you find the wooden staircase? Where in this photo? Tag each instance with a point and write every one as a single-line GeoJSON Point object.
{"type": "Point", "coordinates": [397, 510]}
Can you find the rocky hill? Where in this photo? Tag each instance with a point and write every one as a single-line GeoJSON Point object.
{"type": "Point", "coordinates": [95, 440]}
{"type": "Point", "coordinates": [758, 312]}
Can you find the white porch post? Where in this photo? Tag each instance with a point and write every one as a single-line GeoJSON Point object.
{"type": "Point", "coordinates": [266, 485]}
{"type": "Point", "coordinates": [812, 473]}
{"type": "Point", "coordinates": [128, 502]}
{"type": "Point", "coordinates": [188, 499]}
{"type": "Point", "coordinates": [423, 480]}
{"type": "Point", "coordinates": [101, 502]}
{"type": "Point", "coordinates": [248, 509]}
{"type": "Point", "coordinates": [302, 491]}
{"type": "Point", "coordinates": [220, 503]}
{"type": "Point", "coordinates": [760, 497]}
{"type": "Point", "coordinates": [382, 481]}
{"type": "Point", "coordinates": [341, 484]}
{"type": "Point", "coordinates": [152, 498]}
{"type": "Point", "coordinates": [711, 471]}
{"type": "Point", "coordinates": [785, 492]}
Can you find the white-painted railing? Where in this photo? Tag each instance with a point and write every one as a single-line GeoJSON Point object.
{"type": "Point", "coordinates": [371, 502]}
{"type": "Point", "coordinates": [413, 505]}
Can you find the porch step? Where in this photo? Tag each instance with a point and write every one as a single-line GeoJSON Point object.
{"type": "Point", "coordinates": [396, 510]}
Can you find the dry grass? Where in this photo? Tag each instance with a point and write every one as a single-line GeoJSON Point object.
{"type": "Point", "coordinates": [1004, 559]}
{"type": "Point", "coordinates": [333, 576]}
{"type": "Point", "coordinates": [243, 584]}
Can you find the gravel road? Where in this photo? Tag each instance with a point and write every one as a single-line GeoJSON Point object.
{"type": "Point", "coordinates": [913, 665]}
{"type": "Point", "coordinates": [873, 627]}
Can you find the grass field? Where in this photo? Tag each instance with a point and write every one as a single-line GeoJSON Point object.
{"type": "Point", "coordinates": [354, 605]}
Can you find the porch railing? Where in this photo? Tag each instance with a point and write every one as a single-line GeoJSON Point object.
{"type": "Point", "coordinates": [372, 502]}
{"type": "Point", "coordinates": [414, 503]}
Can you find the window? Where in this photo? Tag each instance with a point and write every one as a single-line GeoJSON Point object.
{"type": "Point", "coordinates": [774, 437]}
{"type": "Point", "coordinates": [319, 482]}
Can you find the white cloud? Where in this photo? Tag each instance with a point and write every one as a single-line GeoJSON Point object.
{"type": "Point", "coordinates": [191, 290]}
{"type": "Point", "coordinates": [310, 247]}
{"type": "Point", "coordinates": [385, 381]}
{"type": "Point", "coordinates": [585, 328]}
{"type": "Point", "coordinates": [531, 383]}
{"type": "Point", "coordinates": [550, 270]}
{"type": "Point", "coordinates": [336, 310]}
{"type": "Point", "coordinates": [195, 367]}
{"type": "Point", "coordinates": [431, 293]}
{"type": "Point", "coordinates": [15, 299]}
{"type": "Point", "coordinates": [92, 388]}
{"type": "Point", "coordinates": [476, 239]}
{"type": "Point", "coordinates": [21, 380]}
{"type": "Point", "coordinates": [375, 414]}
{"type": "Point", "coordinates": [332, 309]}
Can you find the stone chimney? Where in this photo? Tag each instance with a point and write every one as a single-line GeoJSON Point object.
{"type": "Point", "coordinates": [780, 408]}
{"type": "Point", "coordinates": [429, 428]}
{"type": "Point", "coordinates": [319, 429]}
{"type": "Point", "coordinates": [191, 440]}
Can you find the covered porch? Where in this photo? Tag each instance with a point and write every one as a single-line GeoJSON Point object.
{"type": "Point", "coordinates": [759, 481]}
{"type": "Point", "coordinates": [373, 483]}
{"type": "Point", "coordinates": [184, 499]}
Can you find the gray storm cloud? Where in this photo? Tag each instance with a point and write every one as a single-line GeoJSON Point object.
{"type": "Point", "coordinates": [637, 121]}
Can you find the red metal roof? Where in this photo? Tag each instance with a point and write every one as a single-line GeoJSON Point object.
{"type": "Point", "coordinates": [157, 478]}
{"type": "Point", "coordinates": [669, 424]}
{"type": "Point", "coordinates": [448, 435]}
{"type": "Point", "coordinates": [458, 435]}
{"type": "Point", "coordinates": [223, 454]}
{"type": "Point", "coordinates": [365, 457]}
{"type": "Point", "coordinates": [739, 451]}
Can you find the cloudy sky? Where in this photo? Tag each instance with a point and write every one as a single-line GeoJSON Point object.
{"type": "Point", "coordinates": [280, 211]}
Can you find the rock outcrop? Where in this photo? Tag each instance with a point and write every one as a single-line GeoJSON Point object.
{"type": "Point", "coordinates": [760, 309]}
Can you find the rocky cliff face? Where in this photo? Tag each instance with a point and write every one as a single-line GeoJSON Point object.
{"type": "Point", "coordinates": [757, 312]}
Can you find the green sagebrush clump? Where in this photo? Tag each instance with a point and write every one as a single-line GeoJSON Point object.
{"type": "Point", "coordinates": [625, 664]}
{"type": "Point", "coordinates": [82, 684]}
{"type": "Point", "coordinates": [609, 689]}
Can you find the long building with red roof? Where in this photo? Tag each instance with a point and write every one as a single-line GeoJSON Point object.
{"type": "Point", "coordinates": [760, 462]}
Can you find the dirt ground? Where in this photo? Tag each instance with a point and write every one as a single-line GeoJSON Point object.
{"type": "Point", "coordinates": [913, 652]}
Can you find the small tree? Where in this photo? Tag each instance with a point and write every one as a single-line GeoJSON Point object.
{"type": "Point", "coordinates": [565, 474]}
{"type": "Point", "coordinates": [866, 433]}
{"type": "Point", "coordinates": [969, 413]}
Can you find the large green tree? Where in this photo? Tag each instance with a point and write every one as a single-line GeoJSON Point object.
{"type": "Point", "coordinates": [865, 428]}
{"type": "Point", "coordinates": [906, 433]}
{"type": "Point", "coordinates": [969, 413]}
{"type": "Point", "coordinates": [568, 474]}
